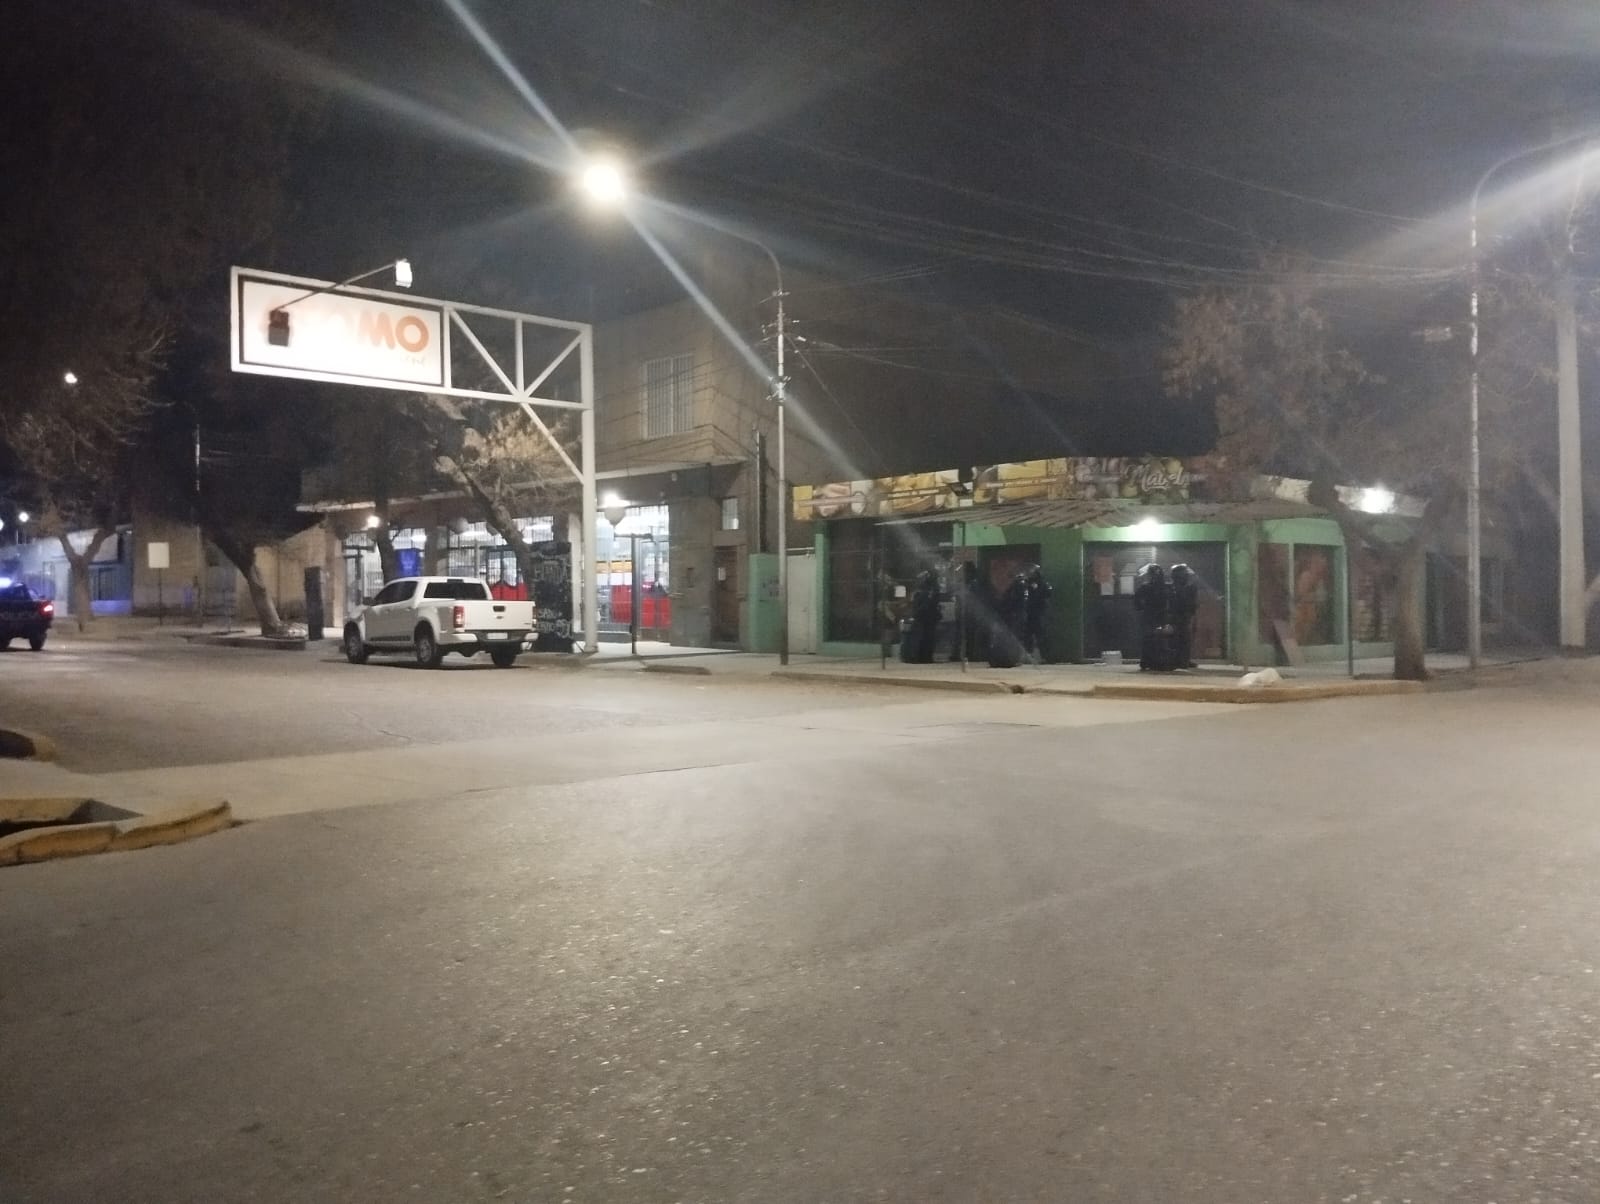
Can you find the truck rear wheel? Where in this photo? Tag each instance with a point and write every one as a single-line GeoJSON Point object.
{"type": "Point", "coordinates": [36, 642]}
{"type": "Point", "coordinates": [503, 658]}
{"type": "Point", "coordinates": [355, 651]}
{"type": "Point", "coordinates": [426, 648]}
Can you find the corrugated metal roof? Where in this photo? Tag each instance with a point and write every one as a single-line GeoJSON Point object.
{"type": "Point", "coordinates": [1117, 512]}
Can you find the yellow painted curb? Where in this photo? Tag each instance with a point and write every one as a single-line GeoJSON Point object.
{"type": "Point", "coordinates": [977, 685]}
{"type": "Point", "coordinates": [171, 825]}
{"type": "Point", "coordinates": [26, 746]}
{"type": "Point", "coordinates": [168, 826]}
{"type": "Point", "coordinates": [46, 844]}
{"type": "Point", "coordinates": [1249, 694]}
{"type": "Point", "coordinates": [40, 810]}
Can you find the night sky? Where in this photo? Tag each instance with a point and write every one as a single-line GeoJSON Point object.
{"type": "Point", "coordinates": [1078, 162]}
{"type": "Point", "coordinates": [1073, 159]}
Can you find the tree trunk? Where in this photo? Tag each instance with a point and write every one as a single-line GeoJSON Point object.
{"type": "Point", "coordinates": [388, 558]}
{"type": "Point", "coordinates": [78, 574]}
{"type": "Point", "coordinates": [242, 556]}
{"type": "Point", "coordinates": [1410, 644]}
{"type": "Point", "coordinates": [262, 600]}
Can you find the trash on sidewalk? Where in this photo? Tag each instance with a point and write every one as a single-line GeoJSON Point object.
{"type": "Point", "coordinates": [1262, 677]}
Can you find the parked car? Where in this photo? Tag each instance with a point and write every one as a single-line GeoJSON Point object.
{"type": "Point", "coordinates": [24, 616]}
{"type": "Point", "coordinates": [432, 616]}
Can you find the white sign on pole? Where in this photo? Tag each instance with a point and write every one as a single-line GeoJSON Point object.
{"type": "Point", "coordinates": [158, 555]}
{"type": "Point", "coordinates": [338, 336]}
{"type": "Point", "coordinates": [316, 330]}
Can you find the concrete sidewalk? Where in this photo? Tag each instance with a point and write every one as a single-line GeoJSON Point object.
{"type": "Point", "coordinates": [1211, 682]}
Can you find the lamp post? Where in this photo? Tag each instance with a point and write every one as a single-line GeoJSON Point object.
{"type": "Point", "coordinates": [616, 511]}
{"type": "Point", "coordinates": [1569, 449]}
{"type": "Point", "coordinates": [605, 181]}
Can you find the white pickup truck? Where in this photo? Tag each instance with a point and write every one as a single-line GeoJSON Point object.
{"type": "Point", "coordinates": [430, 616]}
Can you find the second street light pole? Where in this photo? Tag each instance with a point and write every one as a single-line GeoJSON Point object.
{"type": "Point", "coordinates": [783, 487]}
{"type": "Point", "coordinates": [1571, 599]}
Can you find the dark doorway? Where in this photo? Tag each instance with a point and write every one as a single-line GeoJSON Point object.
{"type": "Point", "coordinates": [725, 597]}
{"type": "Point", "coordinates": [1109, 570]}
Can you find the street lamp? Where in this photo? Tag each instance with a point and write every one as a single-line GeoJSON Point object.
{"type": "Point", "coordinates": [616, 511]}
{"type": "Point", "coordinates": [1569, 451]}
{"type": "Point", "coordinates": [70, 378]}
{"type": "Point", "coordinates": [605, 182]}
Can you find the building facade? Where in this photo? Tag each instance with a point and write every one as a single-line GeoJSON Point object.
{"type": "Point", "coordinates": [686, 443]}
{"type": "Point", "coordinates": [1276, 579]}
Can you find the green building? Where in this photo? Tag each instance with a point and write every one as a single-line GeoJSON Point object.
{"type": "Point", "coordinates": [1273, 569]}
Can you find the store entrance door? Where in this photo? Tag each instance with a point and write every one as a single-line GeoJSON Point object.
{"type": "Point", "coordinates": [1109, 571]}
{"type": "Point", "coordinates": [725, 597]}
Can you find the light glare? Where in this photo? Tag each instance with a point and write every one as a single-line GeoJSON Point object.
{"type": "Point", "coordinates": [604, 182]}
{"type": "Point", "coordinates": [1376, 500]}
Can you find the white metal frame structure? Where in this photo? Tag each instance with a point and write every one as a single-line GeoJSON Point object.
{"type": "Point", "coordinates": [520, 381]}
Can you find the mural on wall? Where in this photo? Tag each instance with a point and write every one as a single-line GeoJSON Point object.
{"type": "Point", "coordinates": [1153, 479]}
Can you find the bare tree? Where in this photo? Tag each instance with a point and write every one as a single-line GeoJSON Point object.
{"type": "Point", "coordinates": [1291, 398]}
{"type": "Point", "coordinates": [504, 462]}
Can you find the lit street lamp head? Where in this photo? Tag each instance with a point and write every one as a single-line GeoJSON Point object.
{"type": "Point", "coordinates": [604, 182]}
{"type": "Point", "coordinates": [70, 378]}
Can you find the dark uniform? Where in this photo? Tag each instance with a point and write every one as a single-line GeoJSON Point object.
{"type": "Point", "coordinates": [1153, 602]}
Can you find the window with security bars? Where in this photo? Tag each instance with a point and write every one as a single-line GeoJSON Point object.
{"type": "Point", "coordinates": [668, 396]}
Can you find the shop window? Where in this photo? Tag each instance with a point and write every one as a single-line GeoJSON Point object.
{"type": "Point", "coordinates": [730, 514]}
{"type": "Point", "coordinates": [1272, 589]}
{"type": "Point", "coordinates": [614, 568]}
{"type": "Point", "coordinates": [858, 550]}
{"type": "Point", "coordinates": [668, 385]}
{"type": "Point", "coordinates": [1315, 595]}
{"type": "Point", "coordinates": [1372, 598]}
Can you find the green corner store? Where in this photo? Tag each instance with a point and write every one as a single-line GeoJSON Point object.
{"type": "Point", "coordinates": [1269, 565]}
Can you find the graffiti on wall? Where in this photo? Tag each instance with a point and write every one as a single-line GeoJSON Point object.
{"type": "Point", "coordinates": [1153, 479]}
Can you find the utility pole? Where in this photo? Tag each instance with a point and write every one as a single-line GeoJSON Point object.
{"type": "Point", "coordinates": [1574, 604]}
{"type": "Point", "coordinates": [1570, 455]}
{"type": "Point", "coordinates": [783, 490]}
{"type": "Point", "coordinates": [199, 535]}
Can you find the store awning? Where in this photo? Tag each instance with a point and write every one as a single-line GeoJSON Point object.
{"type": "Point", "coordinates": [1115, 512]}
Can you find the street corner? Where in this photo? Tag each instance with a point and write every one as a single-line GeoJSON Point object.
{"type": "Point", "coordinates": [53, 828]}
{"type": "Point", "coordinates": [1233, 693]}
{"type": "Point", "coordinates": [26, 746]}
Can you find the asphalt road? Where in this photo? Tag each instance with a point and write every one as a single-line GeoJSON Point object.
{"type": "Point", "coordinates": [136, 705]}
{"type": "Point", "coordinates": [1340, 951]}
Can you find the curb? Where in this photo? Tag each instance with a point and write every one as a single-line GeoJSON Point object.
{"type": "Point", "coordinates": [933, 683]}
{"type": "Point", "coordinates": [168, 826]}
{"type": "Point", "coordinates": [26, 746]}
{"type": "Point", "coordinates": [689, 670]}
{"type": "Point", "coordinates": [269, 643]}
{"type": "Point", "coordinates": [1249, 694]}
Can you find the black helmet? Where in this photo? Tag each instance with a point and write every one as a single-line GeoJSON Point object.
{"type": "Point", "coordinates": [1182, 574]}
{"type": "Point", "coordinates": [1152, 574]}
